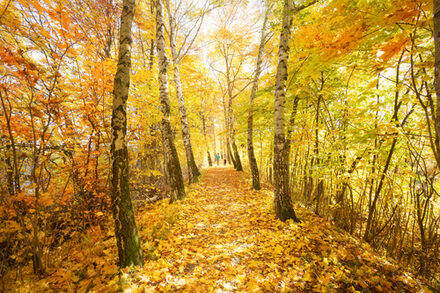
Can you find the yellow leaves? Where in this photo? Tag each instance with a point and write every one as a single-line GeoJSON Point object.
{"type": "Point", "coordinates": [278, 249]}
{"type": "Point", "coordinates": [223, 238]}
{"type": "Point", "coordinates": [46, 199]}
{"type": "Point", "coordinates": [371, 84]}
{"type": "Point", "coordinates": [253, 285]}
{"type": "Point", "coordinates": [308, 277]}
{"type": "Point", "coordinates": [9, 227]}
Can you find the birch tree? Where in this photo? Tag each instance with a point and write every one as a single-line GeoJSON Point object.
{"type": "Point", "coordinates": [127, 239]}
{"type": "Point", "coordinates": [171, 157]}
{"type": "Point", "coordinates": [193, 171]}
{"type": "Point", "coordinates": [250, 144]}
{"type": "Point", "coordinates": [283, 202]}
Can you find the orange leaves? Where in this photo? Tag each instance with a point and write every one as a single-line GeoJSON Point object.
{"type": "Point", "coordinates": [393, 47]}
{"type": "Point", "coordinates": [32, 3]}
{"type": "Point", "coordinates": [330, 38]}
{"type": "Point", "coordinates": [406, 10]}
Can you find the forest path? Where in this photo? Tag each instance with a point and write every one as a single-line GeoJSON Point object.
{"type": "Point", "coordinates": [227, 240]}
{"type": "Point", "coordinates": [222, 238]}
{"type": "Point", "coordinates": [223, 234]}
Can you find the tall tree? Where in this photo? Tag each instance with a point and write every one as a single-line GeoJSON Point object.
{"type": "Point", "coordinates": [283, 202]}
{"type": "Point", "coordinates": [193, 171]}
{"type": "Point", "coordinates": [250, 146]}
{"type": "Point", "coordinates": [127, 239]}
{"type": "Point", "coordinates": [171, 157]}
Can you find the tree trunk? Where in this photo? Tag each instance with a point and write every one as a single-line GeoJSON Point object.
{"type": "Point", "coordinates": [252, 160]}
{"type": "Point", "coordinates": [283, 203]}
{"type": "Point", "coordinates": [214, 139]}
{"type": "Point", "coordinates": [229, 154]}
{"type": "Point", "coordinates": [230, 137]}
{"type": "Point", "coordinates": [126, 233]}
{"type": "Point", "coordinates": [193, 171]}
{"type": "Point", "coordinates": [206, 140]}
{"type": "Point", "coordinates": [320, 186]}
{"type": "Point", "coordinates": [251, 153]}
{"type": "Point", "coordinates": [229, 118]}
{"type": "Point", "coordinates": [171, 158]}
{"type": "Point", "coordinates": [236, 155]}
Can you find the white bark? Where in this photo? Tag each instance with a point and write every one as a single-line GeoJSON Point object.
{"type": "Point", "coordinates": [251, 154]}
{"type": "Point", "coordinates": [283, 202]}
{"type": "Point", "coordinates": [172, 159]}
{"type": "Point", "coordinates": [193, 171]}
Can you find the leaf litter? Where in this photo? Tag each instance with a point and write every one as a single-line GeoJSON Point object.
{"type": "Point", "coordinates": [223, 238]}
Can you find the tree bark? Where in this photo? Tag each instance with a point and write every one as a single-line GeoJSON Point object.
{"type": "Point", "coordinates": [206, 140]}
{"type": "Point", "coordinates": [283, 202]}
{"type": "Point", "coordinates": [229, 116]}
{"type": "Point", "coordinates": [236, 155]}
{"type": "Point", "coordinates": [250, 147]}
{"type": "Point", "coordinates": [126, 233]}
{"type": "Point", "coordinates": [229, 153]}
{"type": "Point", "coordinates": [229, 156]}
{"type": "Point", "coordinates": [171, 157]}
{"type": "Point", "coordinates": [193, 171]}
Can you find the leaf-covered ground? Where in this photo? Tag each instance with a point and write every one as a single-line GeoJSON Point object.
{"type": "Point", "coordinates": [222, 238]}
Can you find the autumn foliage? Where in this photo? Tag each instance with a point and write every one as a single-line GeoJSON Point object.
{"type": "Point", "coordinates": [361, 147]}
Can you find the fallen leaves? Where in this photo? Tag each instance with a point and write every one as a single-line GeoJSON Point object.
{"type": "Point", "coordinates": [223, 238]}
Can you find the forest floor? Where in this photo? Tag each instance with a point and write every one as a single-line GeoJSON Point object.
{"type": "Point", "coordinates": [222, 238]}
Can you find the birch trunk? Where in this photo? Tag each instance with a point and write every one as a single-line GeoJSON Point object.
{"type": "Point", "coordinates": [213, 135]}
{"type": "Point", "coordinates": [171, 158]}
{"type": "Point", "coordinates": [250, 144]}
{"type": "Point", "coordinates": [206, 141]}
{"type": "Point", "coordinates": [193, 171]}
{"type": "Point", "coordinates": [283, 203]}
{"type": "Point", "coordinates": [228, 146]}
{"type": "Point", "coordinates": [229, 118]}
{"type": "Point", "coordinates": [234, 154]}
{"type": "Point", "coordinates": [127, 239]}
{"type": "Point", "coordinates": [229, 153]}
